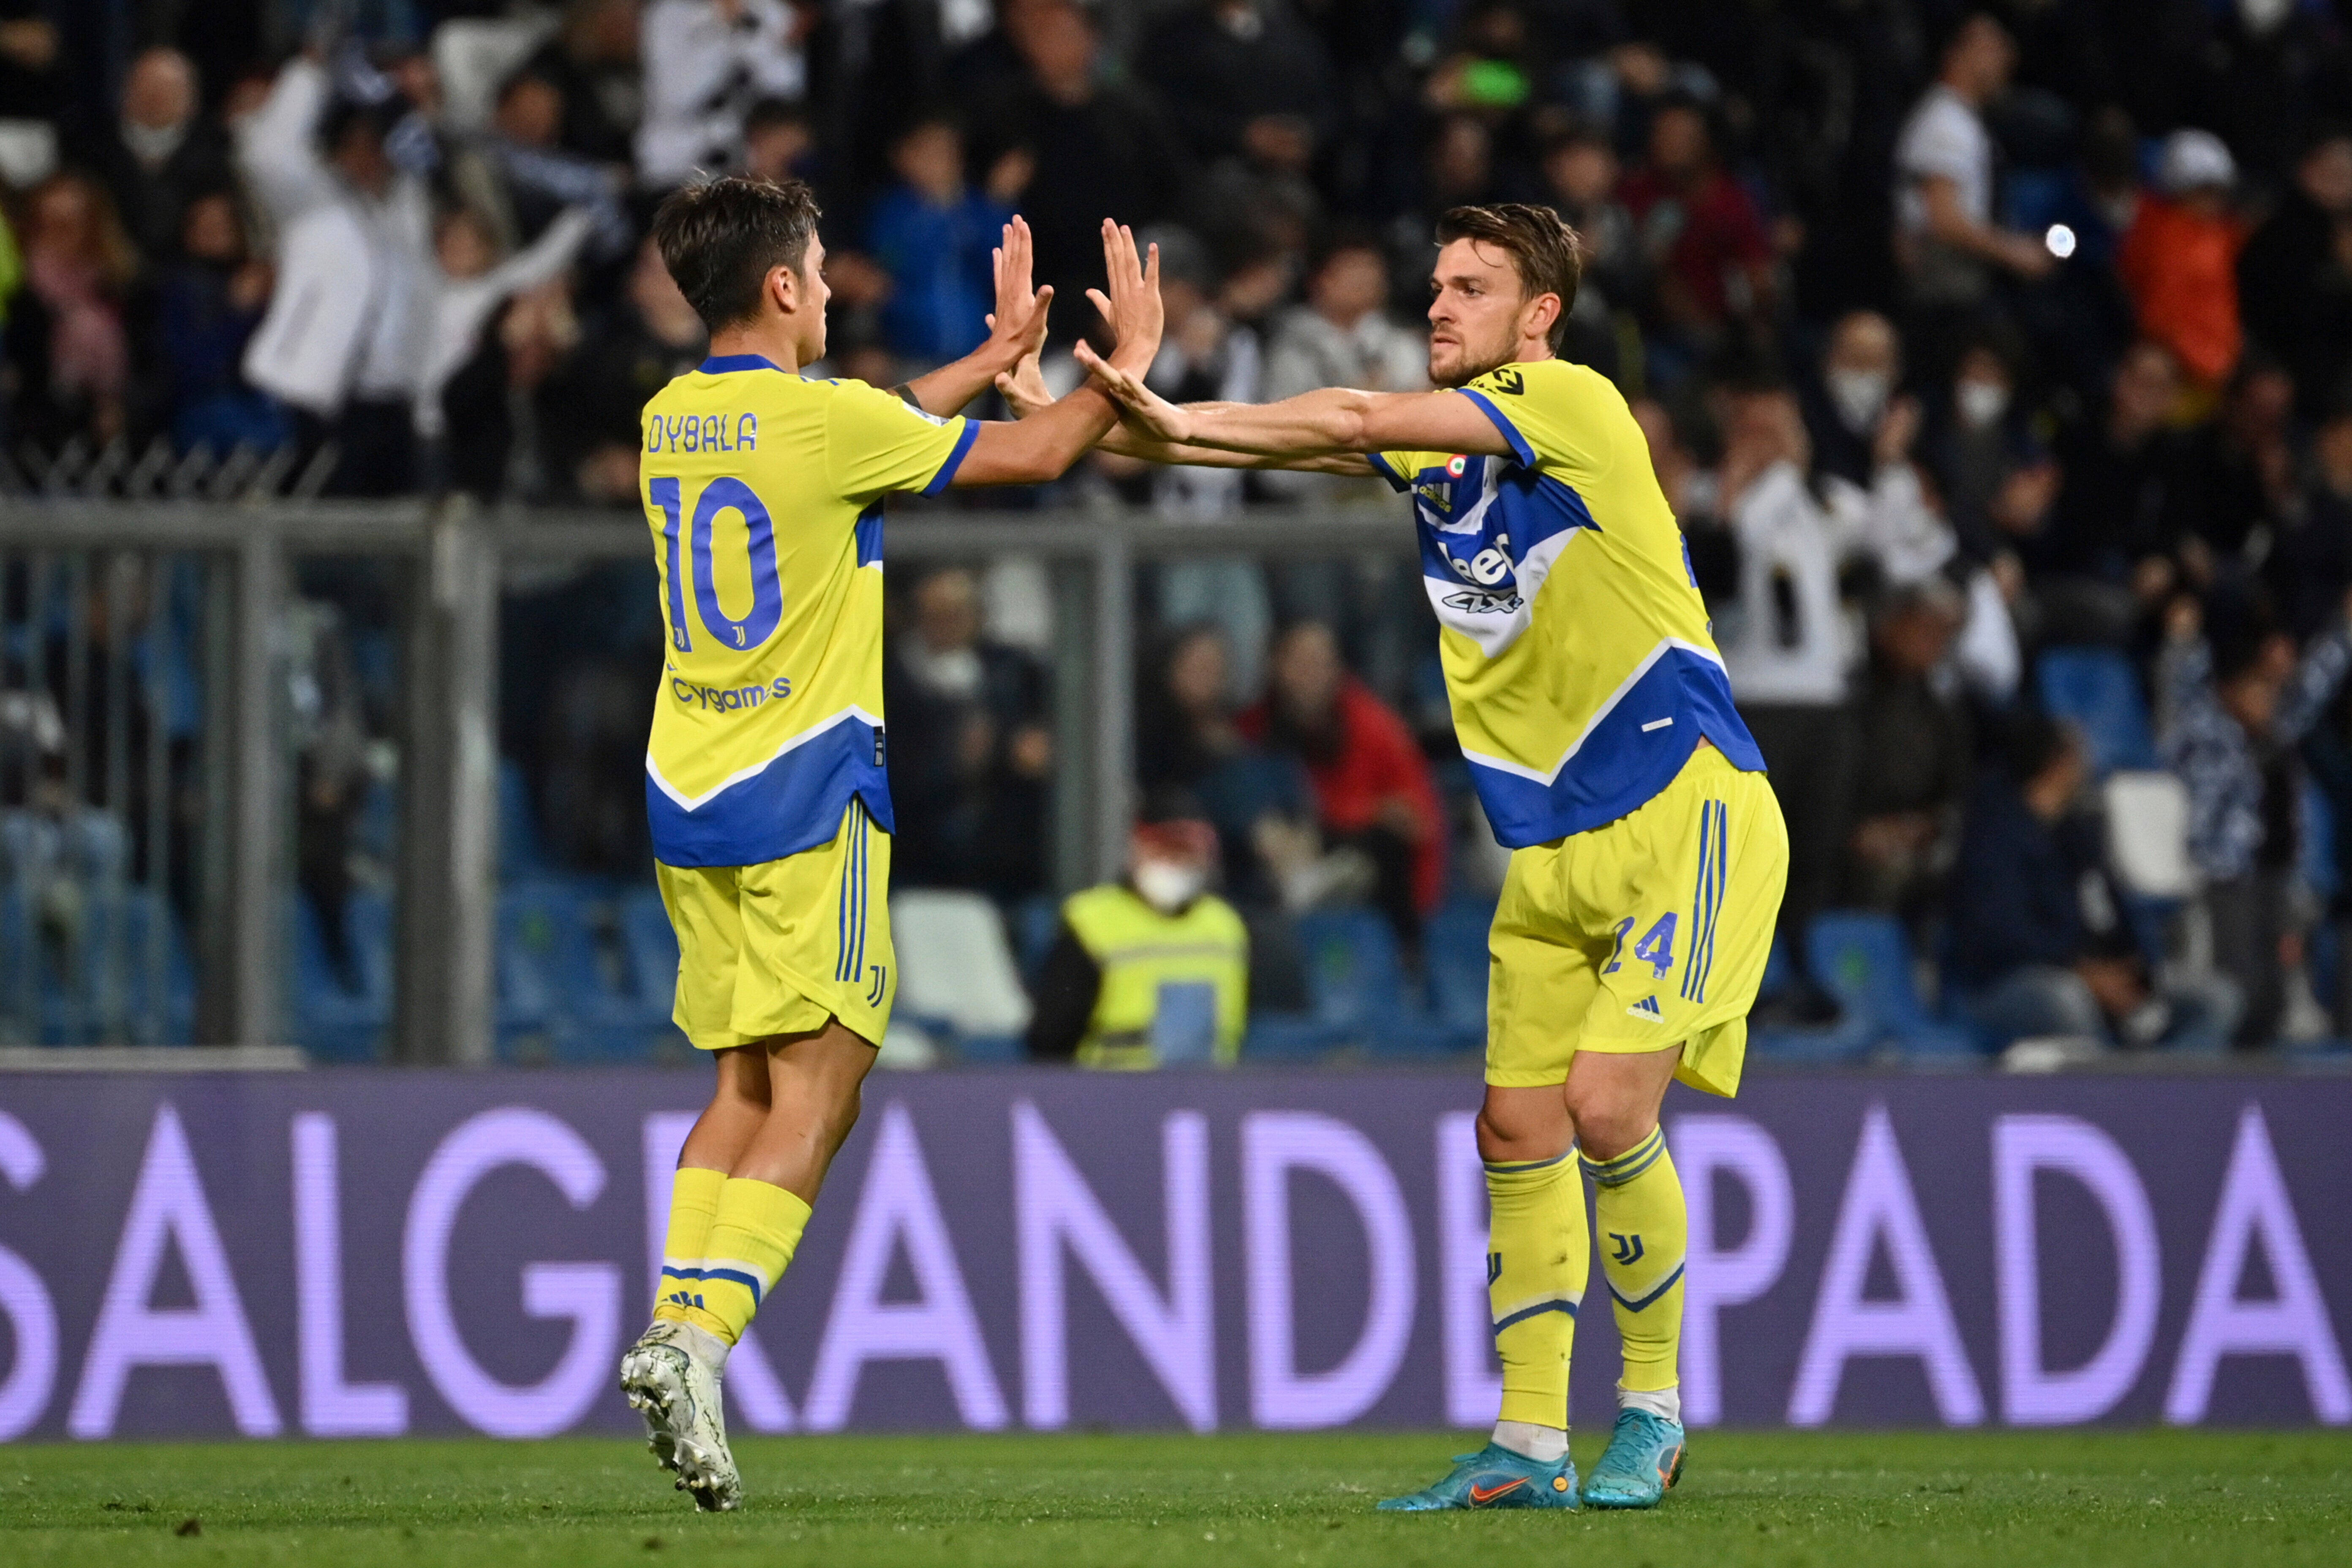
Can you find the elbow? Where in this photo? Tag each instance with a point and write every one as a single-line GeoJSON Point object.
{"type": "Point", "coordinates": [1042, 468]}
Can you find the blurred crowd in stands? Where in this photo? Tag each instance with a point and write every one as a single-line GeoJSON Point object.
{"type": "Point", "coordinates": [1998, 361]}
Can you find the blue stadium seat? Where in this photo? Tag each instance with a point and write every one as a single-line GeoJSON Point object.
{"type": "Point", "coordinates": [114, 998]}
{"type": "Point", "coordinates": [2317, 860]}
{"type": "Point", "coordinates": [376, 827]}
{"type": "Point", "coordinates": [651, 945]}
{"type": "Point", "coordinates": [2097, 689]}
{"type": "Point", "coordinates": [529, 932]}
{"type": "Point", "coordinates": [1356, 984]}
{"type": "Point", "coordinates": [521, 853]}
{"type": "Point", "coordinates": [1864, 959]}
{"type": "Point", "coordinates": [989, 1050]}
{"type": "Point", "coordinates": [21, 962]}
{"type": "Point", "coordinates": [1034, 922]}
{"type": "Point", "coordinates": [565, 973]}
{"type": "Point", "coordinates": [1276, 1037]}
{"type": "Point", "coordinates": [1454, 948]}
{"type": "Point", "coordinates": [335, 1020]}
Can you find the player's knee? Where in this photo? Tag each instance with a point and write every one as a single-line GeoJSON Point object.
{"type": "Point", "coordinates": [1607, 1124]}
{"type": "Point", "coordinates": [1504, 1138]}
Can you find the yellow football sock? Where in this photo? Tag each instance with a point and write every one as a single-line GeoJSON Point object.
{"type": "Point", "coordinates": [1537, 1257]}
{"type": "Point", "coordinates": [693, 1204]}
{"type": "Point", "coordinates": [758, 1227]}
{"type": "Point", "coordinates": [1644, 1231]}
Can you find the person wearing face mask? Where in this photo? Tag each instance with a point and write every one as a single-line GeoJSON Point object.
{"type": "Point", "coordinates": [1845, 411]}
{"type": "Point", "coordinates": [1152, 971]}
{"type": "Point", "coordinates": [164, 154]}
{"type": "Point", "coordinates": [1975, 445]}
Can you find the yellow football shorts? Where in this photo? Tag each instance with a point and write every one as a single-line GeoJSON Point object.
{"type": "Point", "coordinates": [1645, 933]}
{"type": "Point", "coordinates": [780, 947]}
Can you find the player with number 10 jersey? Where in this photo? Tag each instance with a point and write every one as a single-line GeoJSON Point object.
{"type": "Point", "coordinates": [765, 492]}
{"type": "Point", "coordinates": [765, 786]}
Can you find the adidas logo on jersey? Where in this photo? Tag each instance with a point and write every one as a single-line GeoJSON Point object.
{"type": "Point", "coordinates": [1647, 1007]}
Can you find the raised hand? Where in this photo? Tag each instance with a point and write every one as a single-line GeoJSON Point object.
{"type": "Point", "coordinates": [1132, 309]}
{"type": "Point", "coordinates": [1140, 409]}
{"type": "Point", "coordinates": [1024, 387]}
{"type": "Point", "coordinates": [1016, 328]}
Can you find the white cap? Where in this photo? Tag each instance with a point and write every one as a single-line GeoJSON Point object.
{"type": "Point", "coordinates": [2195, 160]}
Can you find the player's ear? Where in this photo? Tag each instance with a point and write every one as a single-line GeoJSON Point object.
{"type": "Point", "coordinates": [1543, 314]}
{"type": "Point", "coordinates": [783, 286]}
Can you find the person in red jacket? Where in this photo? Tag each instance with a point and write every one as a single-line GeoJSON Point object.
{"type": "Point", "coordinates": [2180, 259]}
{"type": "Point", "coordinates": [1372, 786]}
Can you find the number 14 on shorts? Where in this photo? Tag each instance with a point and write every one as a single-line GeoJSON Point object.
{"type": "Point", "coordinates": [1655, 948]}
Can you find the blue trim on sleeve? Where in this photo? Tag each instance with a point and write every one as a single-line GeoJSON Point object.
{"type": "Point", "coordinates": [721, 365]}
{"type": "Point", "coordinates": [946, 476]}
{"type": "Point", "coordinates": [1526, 454]}
{"type": "Point", "coordinates": [1398, 482]}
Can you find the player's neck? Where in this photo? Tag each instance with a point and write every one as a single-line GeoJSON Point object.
{"type": "Point", "coordinates": [770, 338]}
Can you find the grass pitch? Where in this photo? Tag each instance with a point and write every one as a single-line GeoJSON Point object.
{"type": "Point", "coordinates": [2036, 1500]}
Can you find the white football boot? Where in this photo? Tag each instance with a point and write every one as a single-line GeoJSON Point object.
{"type": "Point", "coordinates": [671, 1376]}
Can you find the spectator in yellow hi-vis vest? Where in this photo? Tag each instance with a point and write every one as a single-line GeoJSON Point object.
{"type": "Point", "coordinates": [1152, 971]}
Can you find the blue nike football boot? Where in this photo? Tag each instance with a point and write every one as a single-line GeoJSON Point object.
{"type": "Point", "coordinates": [1643, 1460]}
{"type": "Point", "coordinates": [1494, 1477]}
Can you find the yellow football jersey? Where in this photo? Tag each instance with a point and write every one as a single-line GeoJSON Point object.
{"type": "Point", "coordinates": [1577, 651]}
{"type": "Point", "coordinates": [764, 494]}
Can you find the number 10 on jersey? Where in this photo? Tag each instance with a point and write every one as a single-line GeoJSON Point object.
{"type": "Point", "coordinates": [719, 495]}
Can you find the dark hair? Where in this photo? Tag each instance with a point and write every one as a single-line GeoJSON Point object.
{"type": "Point", "coordinates": [1344, 240]}
{"type": "Point", "coordinates": [526, 77]}
{"type": "Point", "coordinates": [1170, 802]}
{"type": "Point", "coordinates": [721, 238]}
{"type": "Point", "coordinates": [344, 116]}
{"type": "Point", "coordinates": [1577, 131]}
{"type": "Point", "coordinates": [773, 111]}
{"type": "Point", "coordinates": [1545, 252]}
{"type": "Point", "coordinates": [927, 118]}
{"type": "Point", "coordinates": [1956, 28]}
{"type": "Point", "coordinates": [2030, 741]}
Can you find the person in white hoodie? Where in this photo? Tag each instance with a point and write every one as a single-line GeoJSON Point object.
{"type": "Point", "coordinates": [342, 343]}
{"type": "Point", "coordinates": [469, 285]}
{"type": "Point", "coordinates": [1786, 641]}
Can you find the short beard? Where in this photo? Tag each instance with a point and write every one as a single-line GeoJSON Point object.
{"type": "Point", "coordinates": [1471, 370]}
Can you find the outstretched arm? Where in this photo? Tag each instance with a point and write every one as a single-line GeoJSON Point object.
{"type": "Point", "coordinates": [1126, 443]}
{"type": "Point", "coordinates": [1024, 391]}
{"type": "Point", "coordinates": [1043, 447]}
{"type": "Point", "coordinates": [1015, 328]}
{"type": "Point", "coordinates": [1334, 419]}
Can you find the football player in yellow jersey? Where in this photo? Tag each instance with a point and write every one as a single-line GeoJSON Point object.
{"type": "Point", "coordinates": [1648, 855]}
{"type": "Point", "coordinates": [765, 788]}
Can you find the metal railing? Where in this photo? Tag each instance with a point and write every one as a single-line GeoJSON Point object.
{"type": "Point", "coordinates": [178, 804]}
